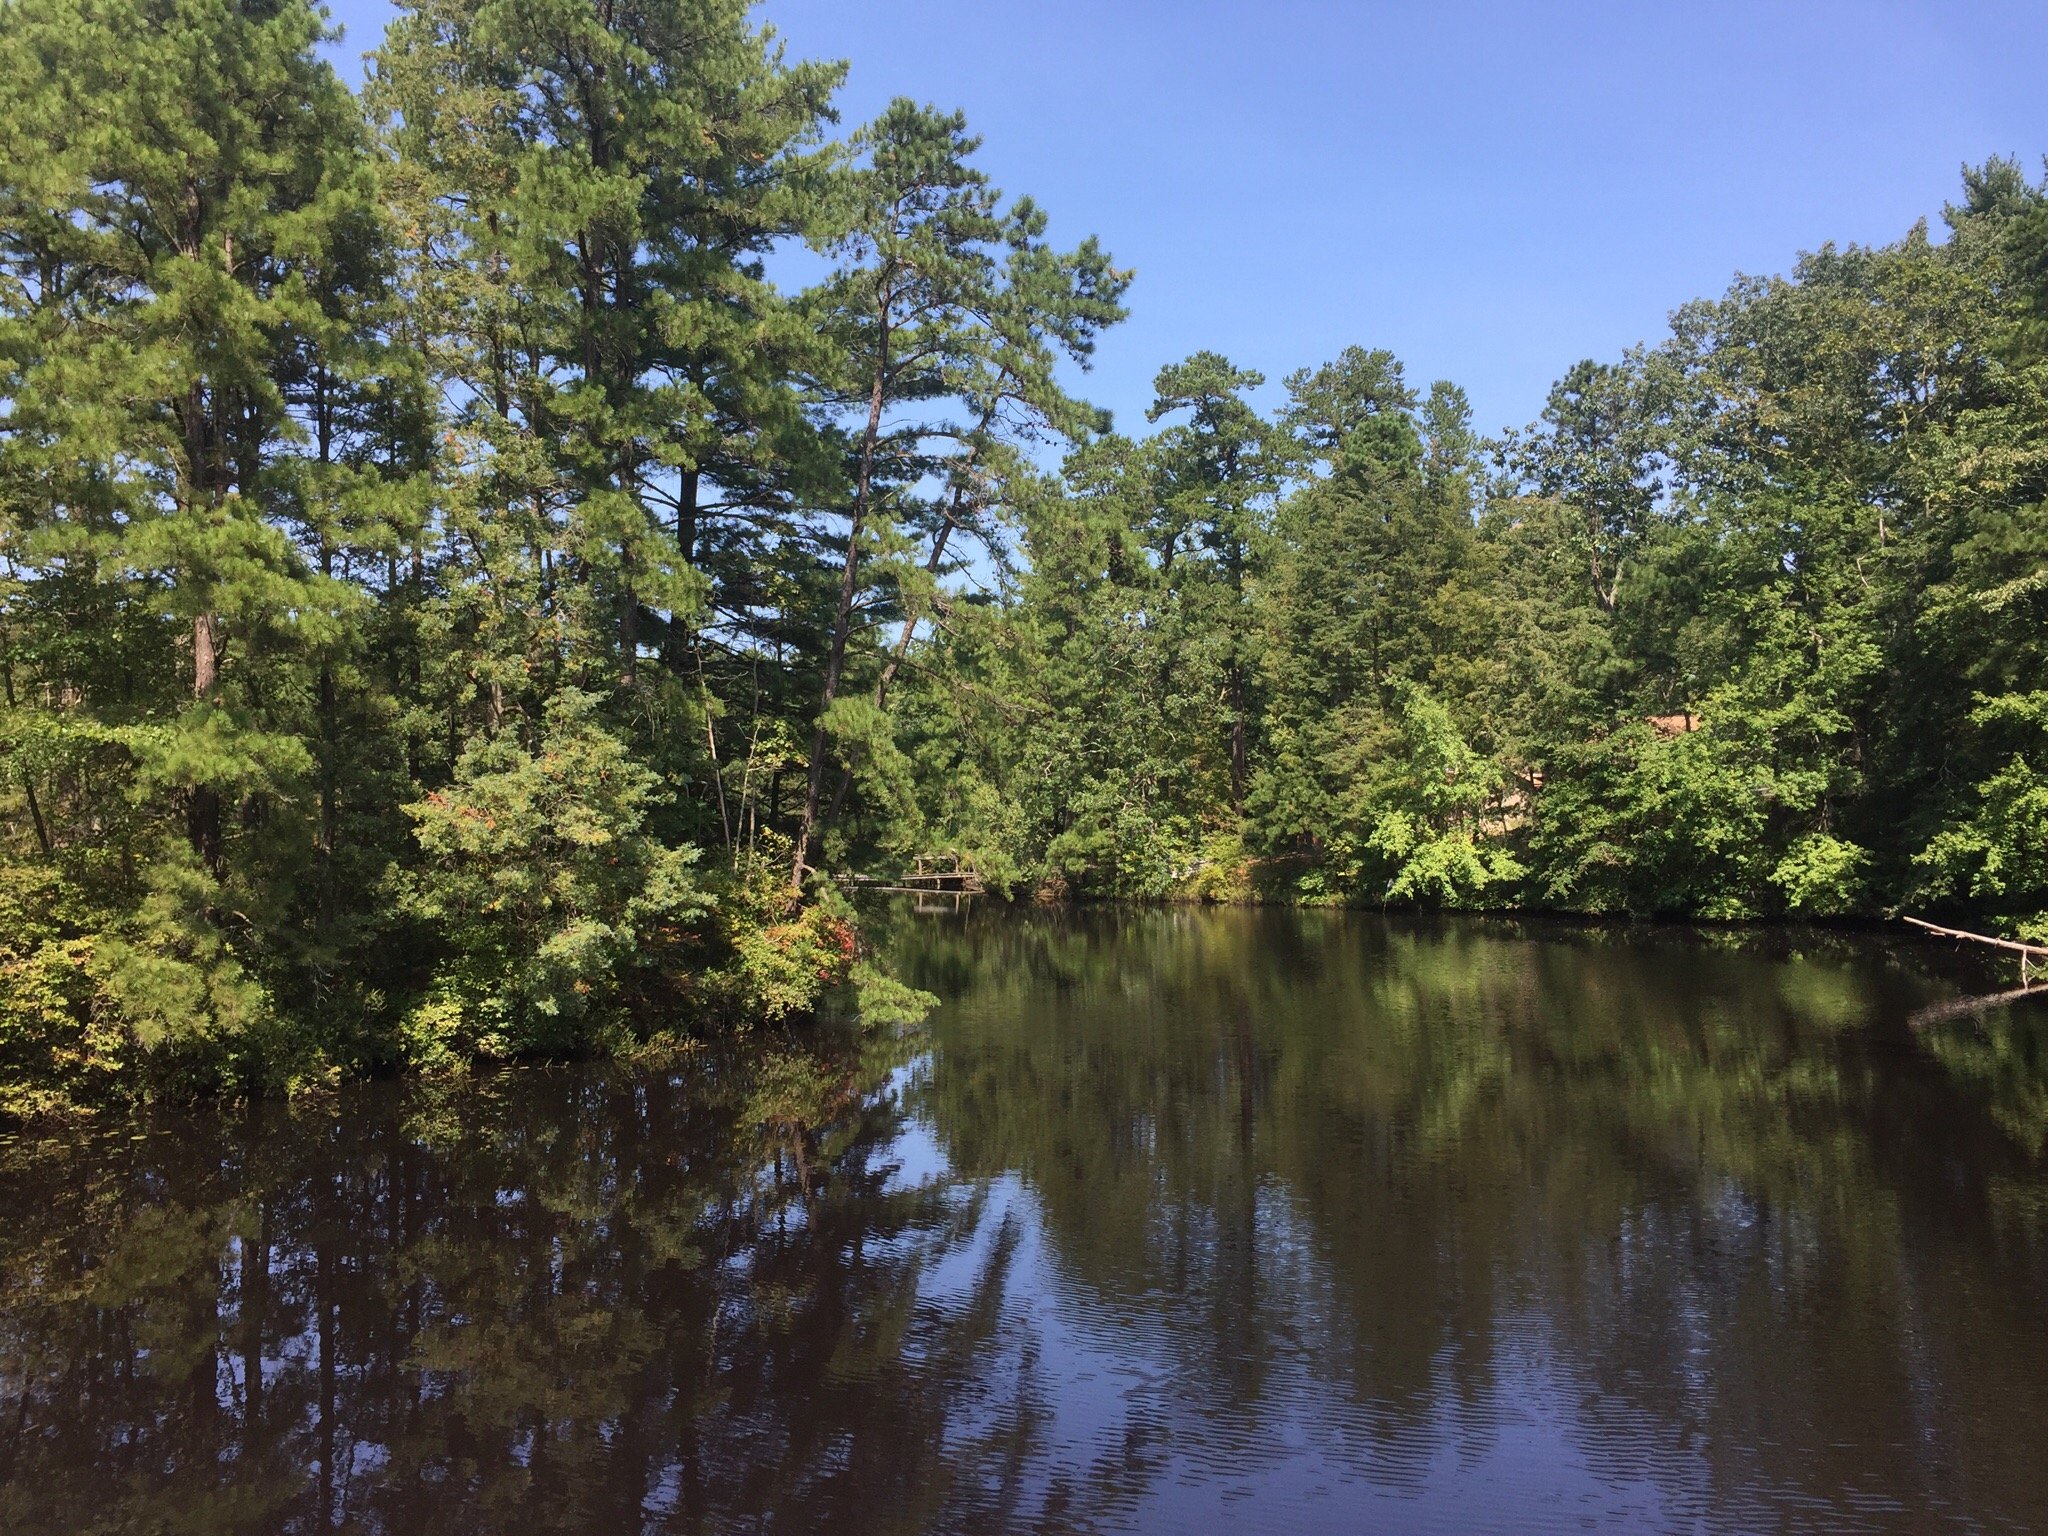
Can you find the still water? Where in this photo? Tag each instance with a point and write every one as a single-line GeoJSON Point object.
{"type": "Point", "coordinates": [1166, 1221]}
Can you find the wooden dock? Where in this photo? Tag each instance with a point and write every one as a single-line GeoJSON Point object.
{"type": "Point", "coordinates": [938, 886]}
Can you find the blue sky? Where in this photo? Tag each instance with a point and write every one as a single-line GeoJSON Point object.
{"type": "Point", "coordinates": [1492, 190]}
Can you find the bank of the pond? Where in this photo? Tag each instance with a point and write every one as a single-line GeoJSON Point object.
{"type": "Point", "coordinates": [827, 968]}
{"type": "Point", "coordinates": [1991, 950]}
{"type": "Point", "coordinates": [70, 1049]}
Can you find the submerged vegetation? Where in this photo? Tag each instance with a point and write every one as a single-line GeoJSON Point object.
{"type": "Point", "coordinates": [456, 603]}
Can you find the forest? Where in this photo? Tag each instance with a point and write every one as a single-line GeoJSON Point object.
{"type": "Point", "coordinates": [462, 599]}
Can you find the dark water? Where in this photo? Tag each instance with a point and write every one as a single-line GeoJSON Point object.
{"type": "Point", "coordinates": [1168, 1222]}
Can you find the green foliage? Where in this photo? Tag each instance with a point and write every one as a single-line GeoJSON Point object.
{"type": "Point", "coordinates": [1642, 824]}
{"type": "Point", "coordinates": [1994, 850]}
{"type": "Point", "coordinates": [172, 968]}
{"type": "Point", "coordinates": [787, 967]}
{"type": "Point", "coordinates": [416, 513]}
{"type": "Point", "coordinates": [543, 881]}
{"type": "Point", "coordinates": [1413, 825]}
{"type": "Point", "coordinates": [878, 998]}
{"type": "Point", "coordinates": [1821, 876]}
{"type": "Point", "coordinates": [1691, 648]}
{"type": "Point", "coordinates": [56, 1046]}
{"type": "Point", "coordinates": [455, 605]}
{"type": "Point", "coordinates": [1223, 870]}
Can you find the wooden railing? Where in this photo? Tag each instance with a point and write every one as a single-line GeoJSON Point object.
{"type": "Point", "coordinates": [933, 882]}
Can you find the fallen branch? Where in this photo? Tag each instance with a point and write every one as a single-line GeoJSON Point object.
{"type": "Point", "coordinates": [2036, 951]}
{"type": "Point", "coordinates": [2028, 953]}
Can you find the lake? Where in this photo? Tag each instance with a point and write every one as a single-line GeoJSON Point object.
{"type": "Point", "coordinates": [1166, 1221]}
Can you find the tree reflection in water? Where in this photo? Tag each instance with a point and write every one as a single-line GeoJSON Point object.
{"type": "Point", "coordinates": [551, 1301]}
{"type": "Point", "coordinates": [1178, 1219]}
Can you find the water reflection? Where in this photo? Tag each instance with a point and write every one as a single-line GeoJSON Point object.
{"type": "Point", "coordinates": [1177, 1220]}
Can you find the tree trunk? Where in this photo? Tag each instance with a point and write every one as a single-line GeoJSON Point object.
{"type": "Point", "coordinates": [910, 620]}
{"type": "Point", "coordinates": [629, 624]}
{"type": "Point", "coordinates": [330, 742]}
{"type": "Point", "coordinates": [205, 655]}
{"type": "Point", "coordinates": [675, 654]}
{"type": "Point", "coordinates": [35, 814]}
{"type": "Point", "coordinates": [842, 621]}
{"type": "Point", "coordinates": [202, 806]}
{"type": "Point", "coordinates": [28, 782]}
{"type": "Point", "coordinates": [894, 663]}
{"type": "Point", "coordinates": [1240, 756]}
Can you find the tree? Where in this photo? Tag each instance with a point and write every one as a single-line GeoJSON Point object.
{"type": "Point", "coordinates": [541, 871]}
{"type": "Point", "coordinates": [171, 228]}
{"type": "Point", "coordinates": [944, 320]}
{"type": "Point", "coordinates": [592, 189]}
{"type": "Point", "coordinates": [1215, 475]}
{"type": "Point", "coordinates": [1372, 592]}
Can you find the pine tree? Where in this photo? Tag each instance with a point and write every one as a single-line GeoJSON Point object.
{"type": "Point", "coordinates": [163, 211]}
{"type": "Point", "coordinates": [944, 321]}
{"type": "Point", "coordinates": [1215, 476]}
{"type": "Point", "coordinates": [592, 188]}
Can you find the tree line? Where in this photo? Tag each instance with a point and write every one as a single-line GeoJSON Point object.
{"type": "Point", "coordinates": [1751, 624]}
{"type": "Point", "coordinates": [459, 599]}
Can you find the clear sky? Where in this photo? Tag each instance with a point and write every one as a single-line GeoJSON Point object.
{"type": "Point", "coordinates": [1491, 189]}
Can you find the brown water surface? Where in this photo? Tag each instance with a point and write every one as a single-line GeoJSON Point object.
{"type": "Point", "coordinates": [1168, 1221]}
